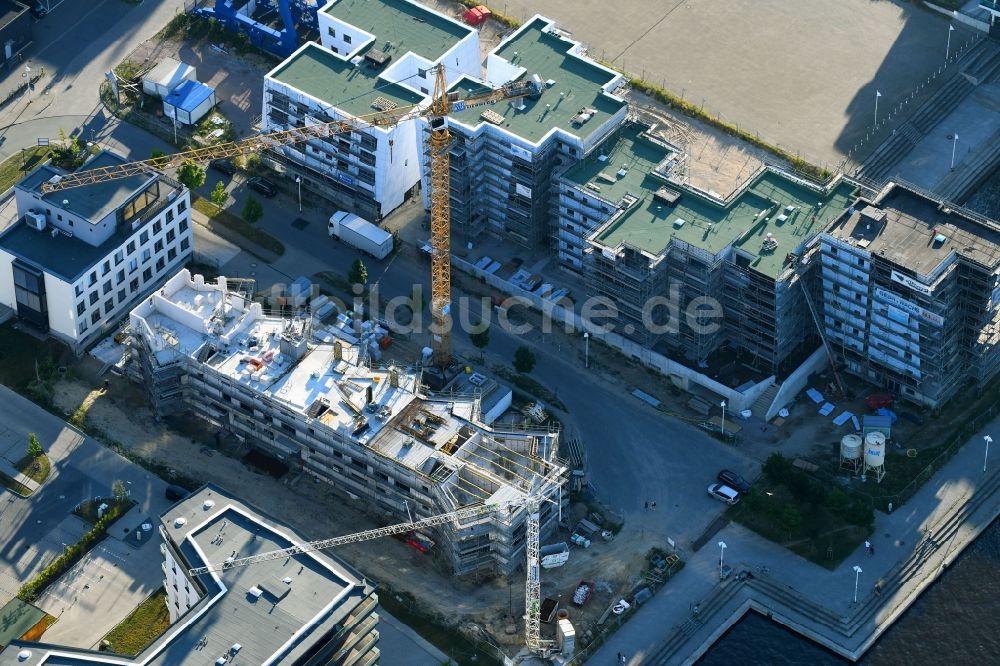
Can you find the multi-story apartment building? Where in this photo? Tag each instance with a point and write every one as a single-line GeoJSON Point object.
{"type": "Point", "coordinates": [637, 234]}
{"type": "Point", "coordinates": [504, 157]}
{"type": "Point", "coordinates": [376, 55]}
{"type": "Point", "coordinates": [306, 609]}
{"type": "Point", "coordinates": [911, 294]}
{"type": "Point", "coordinates": [78, 259]}
{"type": "Point", "coordinates": [305, 397]}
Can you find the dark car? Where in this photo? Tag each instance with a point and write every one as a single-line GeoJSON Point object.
{"type": "Point", "coordinates": [225, 166]}
{"type": "Point", "coordinates": [39, 9]}
{"type": "Point", "coordinates": [734, 480]}
{"type": "Point", "coordinates": [176, 493]}
{"type": "Point", "coordinates": [262, 186]}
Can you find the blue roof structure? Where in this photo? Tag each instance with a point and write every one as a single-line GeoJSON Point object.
{"type": "Point", "coordinates": [188, 95]}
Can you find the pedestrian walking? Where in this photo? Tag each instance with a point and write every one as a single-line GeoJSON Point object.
{"type": "Point", "coordinates": [871, 551]}
{"type": "Point", "coordinates": [621, 657]}
{"type": "Point", "coordinates": [653, 505]}
{"type": "Point", "coordinates": [647, 509]}
{"type": "Point", "coordinates": [868, 548]}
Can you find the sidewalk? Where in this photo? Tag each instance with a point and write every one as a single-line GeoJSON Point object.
{"type": "Point", "coordinates": [7, 467]}
{"type": "Point", "coordinates": [913, 545]}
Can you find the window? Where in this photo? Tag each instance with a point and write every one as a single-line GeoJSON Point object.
{"type": "Point", "coordinates": [422, 73]}
{"type": "Point", "coordinates": [157, 227]}
{"type": "Point", "coordinates": [160, 263]}
{"type": "Point", "coordinates": [119, 277]}
{"type": "Point", "coordinates": [146, 255]}
{"type": "Point", "coordinates": [170, 216]}
{"type": "Point", "coordinates": [423, 90]}
{"type": "Point", "coordinates": [147, 275]}
{"type": "Point", "coordinates": [109, 305]}
{"type": "Point", "coordinates": [331, 32]}
{"type": "Point", "coordinates": [144, 238]}
{"type": "Point", "coordinates": [93, 297]}
{"type": "Point", "coordinates": [130, 248]}
{"type": "Point", "coordinates": [106, 287]}
{"type": "Point", "coordinates": [119, 257]}
{"type": "Point", "coordinates": [171, 254]}
{"type": "Point", "coordinates": [347, 39]}
{"type": "Point", "coordinates": [80, 307]}
{"type": "Point", "coordinates": [78, 290]}
{"type": "Point", "coordinates": [133, 285]}
{"type": "Point", "coordinates": [121, 295]}
{"type": "Point", "coordinates": [82, 327]}
{"type": "Point", "coordinates": [106, 268]}
{"type": "Point", "coordinates": [184, 244]}
{"type": "Point", "coordinates": [158, 246]}
{"type": "Point", "coordinates": [183, 225]}
{"type": "Point", "coordinates": [133, 264]}
{"type": "Point", "coordinates": [95, 317]}
{"type": "Point", "coordinates": [181, 207]}
{"type": "Point", "coordinates": [171, 235]}
{"type": "Point", "coordinates": [335, 50]}
{"type": "Point", "coordinates": [92, 280]}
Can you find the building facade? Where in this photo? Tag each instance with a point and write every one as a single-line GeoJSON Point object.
{"type": "Point", "coordinates": [309, 609]}
{"type": "Point", "coordinates": [305, 397]}
{"type": "Point", "coordinates": [79, 259]}
{"type": "Point", "coordinates": [505, 157]}
{"type": "Point", "coordinates": [911, 294]}
{"type": "Point", "coordinates": [15, 31]}
{"type": "Point", "coordinates": [375, 55]}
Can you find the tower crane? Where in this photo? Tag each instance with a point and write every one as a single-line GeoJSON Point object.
{"type": "Point", "coordinates": [442, 104]}
{"type": "Point", "coordinates": [532, 584]}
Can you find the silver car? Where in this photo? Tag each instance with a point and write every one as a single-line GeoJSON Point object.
{"type": "Point", "coordinates": [723, 492]}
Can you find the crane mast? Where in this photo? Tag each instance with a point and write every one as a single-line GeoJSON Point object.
{"type": "Point", "coordinates": [440, 165]}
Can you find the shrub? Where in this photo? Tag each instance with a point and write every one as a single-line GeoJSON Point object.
{"type": "Point", "coordinates": [776, 468]}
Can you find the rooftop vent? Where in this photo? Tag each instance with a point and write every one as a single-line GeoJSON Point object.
{"type": "Point", "coordinates": [940, 238]}
{"type": "Point", "coordinates": [491, 116]}
{"type": "Point", "coordinates": [667, 196]}
{"type": "Point", "coordinates": [377, 58]}
{"type": "Point", "coordinates": [255, 592]}
{"type": "Point", "coordinates": [679, 222]}
{"type": "Point", "coordinates": [583, 116]}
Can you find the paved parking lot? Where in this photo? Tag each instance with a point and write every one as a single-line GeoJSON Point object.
{"type": "Point", "coordinates": [802, 74]}
{"type": "Point", "coordinates": [115, 577]}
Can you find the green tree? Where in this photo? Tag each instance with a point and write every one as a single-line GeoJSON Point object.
{"type": "Point", "coordinates": [359, 272]}
{"type": "Point", "coordinates": [191, 175]}
{"type": "Point", "coordinates": [790, 519]}
{"type": "Point", "coordinates": [219, 195]}
{"type": "Point", "coordinates": [34, 446]}
{"type": "Point", "coordinates": [157, 154]}
{"type": "Point", "coordinates": [252, 210]}
{"type": "Point", "coordinates": [119, 490]}
{"type": "Point", "coordinates": [776, 468]}
{"type": "Point", "coordinates": [524, 360]}
{"type": "Point", "coordinates": [252, 162]}
{"type": "Point", "coordinates": [480, 340]}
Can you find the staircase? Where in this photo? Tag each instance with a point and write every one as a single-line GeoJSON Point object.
{"type": "Point", "coordinates": [973, 170]}
{"type": "Point", "coordinates": [984, 64]}
{"type": "Point", "coordinates": [763, 403]}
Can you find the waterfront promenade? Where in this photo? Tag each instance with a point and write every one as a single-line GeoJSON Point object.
{"type": "Point", "coordinates": [913, 545]}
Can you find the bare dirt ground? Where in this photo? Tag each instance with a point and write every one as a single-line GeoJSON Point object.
{"type": "Point", "coordinates": [121, 415]}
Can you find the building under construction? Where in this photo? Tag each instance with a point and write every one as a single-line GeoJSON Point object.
{"type": "Point", "coordinates": [640, 237]}
{"type": "Point", "coordinates": [302, 395]}
{"type": "Point", "coordinates": [911, 294]}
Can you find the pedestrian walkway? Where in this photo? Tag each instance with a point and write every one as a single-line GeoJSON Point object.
{"type": "Point", "coordinates": [911, 547]}
{"type": "Point", "coordinates": [8, 468]}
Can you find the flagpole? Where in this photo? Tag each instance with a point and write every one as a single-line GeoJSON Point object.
{"type": "Point", "coordinates": [877, 95]}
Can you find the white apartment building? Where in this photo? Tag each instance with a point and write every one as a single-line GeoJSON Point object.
{"type": "Point", "coordinates": [505, 157]}
{"type": "Point", "coordinates": [77, 260]}
{"type": "Point", "coordinates": [376, 55]}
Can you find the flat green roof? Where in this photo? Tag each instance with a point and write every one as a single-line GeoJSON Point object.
{"type": "Point", "coordinates": [403, 25]}
{"type": "Point", "coordinates": [351, 89]}
{"type": "Point", "coordinates": [578, 85]}
{"type": "Point", "coordinates": [744, 221]}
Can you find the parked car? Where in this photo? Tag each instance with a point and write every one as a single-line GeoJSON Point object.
{"type": "Point", "coordinates": [175, 493]}
{"type": "Point", "coordinates": [263, 186]}
{"type": "Point", "coordinates": [720, 491]}
{"type": "Point", "coordinates": [39, 9]}
{"type": "Point", "coordinates": [225, 166]}
{"type": "Point", "coordinates": [734, 480]}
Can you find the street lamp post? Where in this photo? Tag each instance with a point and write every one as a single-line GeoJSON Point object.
{"type": "Point", "coordinates": [986, 457]}
{"type": "Point", "coordinates": [27, 82]}
{"type": "Point", "coordinates": [947, 49]}
{"type": "Point", "coordinates": [586, 349]}
{"type": "Point", "coordinates": [723, 403]}
{"type": "Point", "coordinates": [298, 181]}
{"type": "Point", "coordinates": [954, 144]}
{"type": "Point", "coordinates": [722, 552]}
{"type": "Point", "coordinates": [857, 576]}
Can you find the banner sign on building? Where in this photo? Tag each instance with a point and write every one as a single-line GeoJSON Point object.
{"type": "Point", "coordinates": [522, 190]}
{"type": "Point", "coordinates": [518, 151]}
{"type": "Point", "coordinates": [915, 310]}
{"type": "Point", "coordinates": [911, 283]}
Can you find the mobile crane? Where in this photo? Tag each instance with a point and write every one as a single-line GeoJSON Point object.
{"type": "Point", "coordinates": [532, 584]}
{"type": "Point", "coordinates": [442, 104]}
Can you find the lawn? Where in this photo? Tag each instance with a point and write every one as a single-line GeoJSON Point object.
{"type": "Point", "coordinates": [234, 223]}
{"type": "Point", "coordinates": [36, 469]}
{"type": "Point", "coordinates": [821, 523]}
{"type": "Point", "coordinates": [88, 509]}
{"type": "Point", "coordinates": [17, 165]}
{"type": "Point", "coordinates": [141, 627]}
{"type": "Point", "coordinates": [22, 356]}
